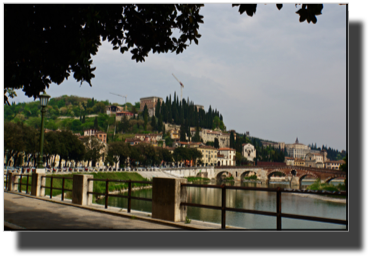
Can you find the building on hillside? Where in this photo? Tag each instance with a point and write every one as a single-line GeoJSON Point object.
{"type": "Point", "coordinates": [188, 144]}
{"type": "Point", "coordinates": [334, 164]}
{"type": "Point", "coordinates": [121, 114]}
{"type": "Point", "coordinates": [208, 135]}
{"type": "Point", "coordinates": [299, 162]}
{"type": "Point", "coordinates": [249, 151]}
{"type": "Point", "coordinates": [174, 133]}
{"type": "Point", "coordinates": [99, 134]}
{"type": "Point", "coordinates": [275, 145]}
{"type": "Point", "coordinates": [209, 155]}
{"type": "Point", "coordinates": [199, 107]}
{"type": "Point", "coordinates": [297, 150]}
{"type": "Point", "coordinates": [113, 109]}
{"type": "Point", "coordinates": [152, 138]}
{"type": "Point", "coordinates": [315, 159]}
{"type": "Point", "coordinates": [229, 157]}
{"type": "Point", "coordinates": [150, 103]}
{"type": "Point", "coordinates": [133, 141]}
{"type": "Point", "coordinates": [289, 161]}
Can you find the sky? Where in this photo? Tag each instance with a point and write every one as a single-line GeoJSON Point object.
{"type": "Point", "coordinates": [268, 74]}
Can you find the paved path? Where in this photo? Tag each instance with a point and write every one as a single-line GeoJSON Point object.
{"type": "Point", "coordinates": [31, 213]}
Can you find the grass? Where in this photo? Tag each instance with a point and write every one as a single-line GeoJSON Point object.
{"type": "Point", "coordinates": [252, 177]}
{"type": "Point", "coordinates": [99, 186]}
{"type": "Point", "coordinates": [229, 178]}
{"type": "Point", "coordinates": [197, 179]}
{"type": "Point", "coordinates": [318, 186]}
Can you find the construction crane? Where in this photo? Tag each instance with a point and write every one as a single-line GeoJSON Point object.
{"type": "Point", "coordinates": [180, 83]}
{"type": "Point", "coordinates": [121, 96]}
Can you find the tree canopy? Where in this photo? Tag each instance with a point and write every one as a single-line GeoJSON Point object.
{"type": "Point", "coordinates": [45, 43]}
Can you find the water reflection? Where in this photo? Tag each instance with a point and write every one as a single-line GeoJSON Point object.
{"type": "Point", "coordinates": [256, 200]}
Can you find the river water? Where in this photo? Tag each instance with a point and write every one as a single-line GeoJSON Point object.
{"type": "Point", "coordinates": [257, 200]}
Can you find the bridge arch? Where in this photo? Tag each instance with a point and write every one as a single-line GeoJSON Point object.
{"type": "Point", "coordinates": [220, 174]}
{"type": "Point", "coordinates": [245, 173]}
{"type": "Point", "coordinates": [270, 173]}
{"type": "Point", "coordinates": [329, 179]}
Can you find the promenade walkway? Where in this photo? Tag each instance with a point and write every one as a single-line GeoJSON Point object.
{"type": "Point", "coordinates": [24, 212]}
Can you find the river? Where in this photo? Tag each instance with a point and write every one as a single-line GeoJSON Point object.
{"type": "Point", "coordinates": [258, 200]}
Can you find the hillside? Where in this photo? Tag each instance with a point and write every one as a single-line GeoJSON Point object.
{"type": "Point", "coordinates": [78, 114]}
{"type": "Point", "coordinates": [66, 112]}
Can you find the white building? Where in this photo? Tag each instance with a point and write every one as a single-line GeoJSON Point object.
{"type": "Point", "coordinates": [297, 150]}
{"type": "Point", "coordinates": [226, 157]}
{"type": "Point", "coordinates": [249, 151]}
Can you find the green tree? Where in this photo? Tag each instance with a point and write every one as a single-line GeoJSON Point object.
{"type": "Point", "coordinates": [196, 137]}
{"type": "Point", "coordinates": [14, 141]}
{"type": "Point", "coordinates": [216, 143]}
{"type": "Point", "coordinates": [118, 152]}
{"type": "Point", "coordinates": [93, 148]}
{"type": "Point", "coordinates": [344, 168]}
{"type": "Point", "coordinates": [145, 120]}
{"type": "Point", "coordinates": [153, 123]}
{"type": "Point", "coordinates": [96, 125]}
{"type": "Point", "coordinates": [182, 136]}
{"type": "Point", "coordinates": [76, 126]}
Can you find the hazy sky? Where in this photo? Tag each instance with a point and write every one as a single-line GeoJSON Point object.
{"type": "Point", "coordinates": [267, 74]}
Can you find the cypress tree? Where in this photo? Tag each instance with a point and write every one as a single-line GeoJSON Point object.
{"type": "Point", "coordinates": [159, 125]}
{"type": "Point", "coordinates": [96, 123]}
{"type": "Point", "coordinates": [153, 123]}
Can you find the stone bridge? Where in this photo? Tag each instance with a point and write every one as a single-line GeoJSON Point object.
{"type": "Point", "coordinates": [294, 173]}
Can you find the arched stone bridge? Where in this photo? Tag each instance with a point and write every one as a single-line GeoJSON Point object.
{"type": "Point", "coordinates": [295, 173]}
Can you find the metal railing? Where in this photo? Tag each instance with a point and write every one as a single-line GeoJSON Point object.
{"type": "Point", "coordinates": [278, 214]}
{"type": "Point", "coordinates": [129, 196]}
{"type": "Point", "coordinates": [62, 188]}
{"type": "Point", "coordinates": [6, 181]}
{"type": "Point", "coordinates": [19, 183]}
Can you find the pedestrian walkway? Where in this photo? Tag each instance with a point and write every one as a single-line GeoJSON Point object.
{"type": "Point", "coordinates": [22, 211]}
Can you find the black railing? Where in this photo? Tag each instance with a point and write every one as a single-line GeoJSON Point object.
{"type": "Point", "coordinates": [62, 188]}
{"type": "Point", "coordinates": [278, 214]}
{"type": "Point", "coordinates": [19, 183]}
{"type": "Point", "coordinates": [6, 181]}
{"type": "Point", "coordinates": [129, 196]}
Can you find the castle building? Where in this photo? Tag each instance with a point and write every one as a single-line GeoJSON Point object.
{"type": "Point", "coordinates": [150, 103]}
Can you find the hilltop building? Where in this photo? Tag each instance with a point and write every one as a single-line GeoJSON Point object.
{"type": "Point", "coordinates": [199, 107]}
{"type": "Point", "coordinates": [121, 114]}
{"type": "Point", "coordinates": [99, 134]}
{"type": "Point", "coordinates": [150, 103]}
{"type": "Point", "coordinates": [297, 150]}
{"type": "Point", "coordinates": [113, 109]}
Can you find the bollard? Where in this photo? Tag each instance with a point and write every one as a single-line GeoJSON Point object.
{"type": "Point", "coordinates": [37, 182]}
{"type": "Point", "coordinates": [167, 196]}
{"type": "Point", "coordinates": [81, 187]}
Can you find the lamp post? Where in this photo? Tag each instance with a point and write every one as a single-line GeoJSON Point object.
{"type": "Point", "coordinates": [44, 101]}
